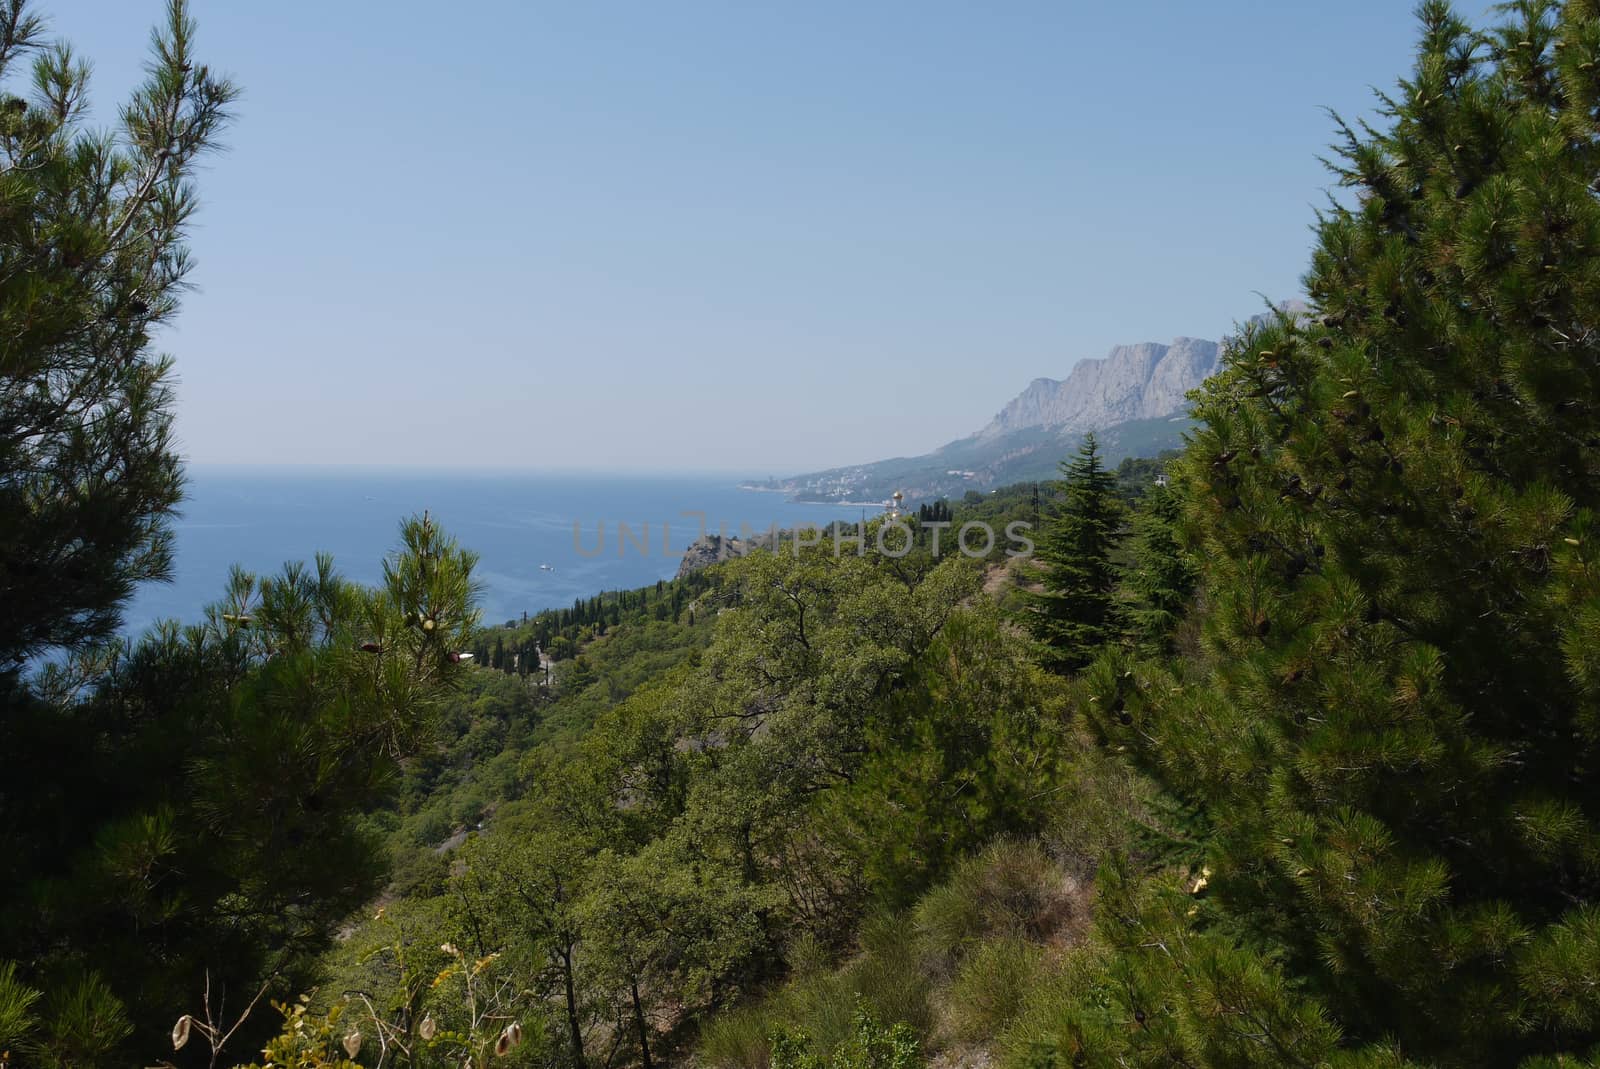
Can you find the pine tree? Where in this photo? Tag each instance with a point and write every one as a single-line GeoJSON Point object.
{"type": "Point", "coordinates": [1073, 614]}
{"type": "Point", "coordinates": [91, 263]}
{"type": "Point", "coordinates": [194, 814]}
{"type": "Point", "coordinates": [1394, 723]}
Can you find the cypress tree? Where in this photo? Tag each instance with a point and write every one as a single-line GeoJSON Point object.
{"type": "Point", "coordinates": [1073, 613]}
{"type": "Point", "coordinates": [1394, 723]}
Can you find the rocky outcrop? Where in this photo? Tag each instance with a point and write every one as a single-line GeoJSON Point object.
{"type": "Point", "coordinates": [707, 550]}
{"type": "Point", "coordinates": [1144, 381]}
{"type": "Point", "coordinates": [1135, 399]}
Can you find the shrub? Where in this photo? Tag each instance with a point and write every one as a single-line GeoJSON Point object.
{"type": "Point", "coordinates": [991, 987]}
{"type": "Point", "coordinates": [821, 1008]}
{"type": "Point", "coordinates": [740, 1038]}
{"type": "Point", "coordinates": [1011, 889]}
{"type": "Point", "coordinates": [1107, 806]}
{"type": "Point", "coordinates": [1058, 1003]}
{"type": "Point", "coordinates": [17, 1019]}
{"type": "Point", "coordinates": [891, 977]}
{"type": "Point", "coordinates": [824, 1007]}
{"type": "Point", "coordinates": [869, 1045]}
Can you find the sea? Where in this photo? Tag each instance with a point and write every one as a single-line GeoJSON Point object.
{"type": "Point", "coordinates": [543, 540]}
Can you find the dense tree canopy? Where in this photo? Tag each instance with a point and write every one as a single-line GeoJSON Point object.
{"type": "Point", "coordinates": [181, 811]}
{"type": "Point", "coordinates": [1297, 766]}
{"type": "Point", "coordinates": [1393, 720]}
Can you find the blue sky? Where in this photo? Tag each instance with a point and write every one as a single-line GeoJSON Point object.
{"type": "Point", "coordinates": [750, 236]}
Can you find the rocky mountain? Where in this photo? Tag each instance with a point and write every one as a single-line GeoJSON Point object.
{"type": "Point", "coordinates": [1133, 399]}
{"type": "Point", "coordinates": [1132, 382]}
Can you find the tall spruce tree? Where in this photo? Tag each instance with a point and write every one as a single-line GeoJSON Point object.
{"type": "Point", "coordinates": [1395, 721]}
{"type": "Point", "coordinates": [1159, 578]}
{"type": "Point", "coordinates": [92, 261]}
{"type": "Point", "coordinates": [1074, 612]}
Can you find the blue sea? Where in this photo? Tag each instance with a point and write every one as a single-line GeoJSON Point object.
{"type": "Point", "coordinates": [259, 519]}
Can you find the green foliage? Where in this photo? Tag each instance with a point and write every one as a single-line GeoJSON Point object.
{"type": "Point", "coordinates": [1074, 614]}
{"type": "Point", "coordinates": [869, 1046]}
{"type": "Point", "coordinates": [1107, 808]}
{"type": "Point", "coordinates": [1074, 985]}
{"type": "Point", "coordinates": [991, 987]}
{"type": "Point", "coordinates": [1012, 890]}
{"type": "Point", "coordinates": [17, 1017]}
{"type": "Point", "coordinates": [652, 861]}
{"type": "Point", "coordinates": [517, 893]}
{"type": "Point", "coordinates": [889, 976]}
{"type": "Point", "coordinates": [84, 1021]}
{"type": "Point", "coordinates": [960, 965]}
{"type": "Point", "coordinates": [855, 727]}
{"type": "Point", "coordinates": [675, 930]}
{"type": "Point", "coordinates": [92, 260]}
{"type": "Point", "coordinates": [1159, 579]}
{"type": "Point", "coordinates": [817, 1002]}
{"type": "Point", "coordinates": [444, 1008]}
{"type": "Point", "coordinates": [199, 790]}
{"type": "Point", "coordinates": [308, 1041]}
{"type": "Point", "coordinates": [967, 750]}
{"type": "Point", "coordinates": [1389, 720]}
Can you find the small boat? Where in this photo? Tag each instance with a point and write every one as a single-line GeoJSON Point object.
{"type": "Point", "coordinates": [546, 568]}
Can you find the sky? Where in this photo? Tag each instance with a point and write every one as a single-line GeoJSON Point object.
{"type": "Point", "coordinates": [747, 236]}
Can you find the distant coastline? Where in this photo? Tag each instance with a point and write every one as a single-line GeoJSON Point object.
{"type": "Point", "coordinates": [791, 496]}
{"type": "Point", "coordinates": [259, 518]}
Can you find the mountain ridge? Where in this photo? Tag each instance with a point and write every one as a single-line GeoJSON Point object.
{"type": "Point", "coordinates": [1147, 380]}
{"type": "Point", "coordinates": [1135, 399]}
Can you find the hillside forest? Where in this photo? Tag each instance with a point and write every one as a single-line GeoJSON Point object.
{"type": "Point", "coordinates": [1280, 750]}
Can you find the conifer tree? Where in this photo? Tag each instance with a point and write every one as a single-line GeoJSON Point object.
{"type": "Point", "coordinates": [1394, 724]}
{"type": "Point", "coordinates": [1073, 614]}
{"type": "Point", "coordinates": [92, 260]}
{"type": "Point", "coordinates": [184, 810]}
{"type": "Point", "coordinates": [1159, 578]}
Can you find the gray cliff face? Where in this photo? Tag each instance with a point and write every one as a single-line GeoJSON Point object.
{"type": "Point", "coordinates": [707, 550]}
{"type": "Point", "coordinates": [1144, 381]}
{"type": "Point", "coordinates": [1135, 399]}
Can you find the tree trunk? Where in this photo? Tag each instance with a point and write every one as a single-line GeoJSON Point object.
{"type": "Point", "coordinates": [748, 854]}
{"type": "Point", "coordinates": [638, 1020]}
{"type": "Point", "coordinates": [574, 1032]}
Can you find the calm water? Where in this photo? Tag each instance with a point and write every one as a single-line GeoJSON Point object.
{"type": "Point", "coordinates": [516, 522]}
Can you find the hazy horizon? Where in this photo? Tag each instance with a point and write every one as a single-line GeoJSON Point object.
{"type": "Point", "coordinates": [709, 238]}
{"type": "Point", "coordinates": [469, 469]}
